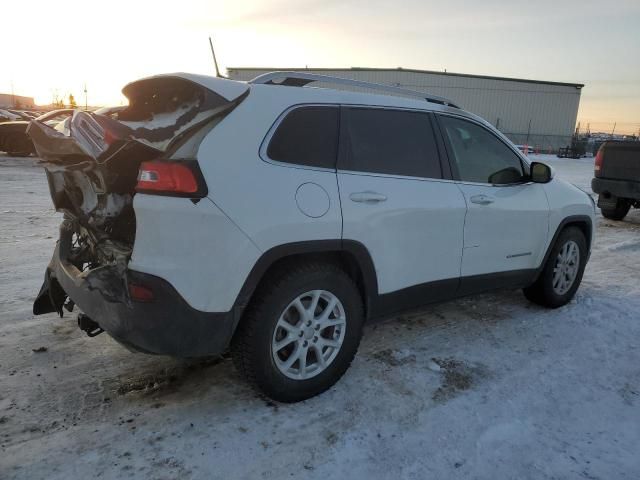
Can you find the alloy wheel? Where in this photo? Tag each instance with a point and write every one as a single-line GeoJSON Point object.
{"type": "Point", "coordinates": [309, 334]}
{"type": "Point", "coordinates": [566, 267]}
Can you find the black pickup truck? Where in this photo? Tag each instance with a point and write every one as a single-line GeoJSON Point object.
{"type": "Point", "coordinates": [617, 178]}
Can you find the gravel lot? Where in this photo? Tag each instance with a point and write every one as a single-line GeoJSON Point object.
{"type": "Point", "coordinates": [485, 387]}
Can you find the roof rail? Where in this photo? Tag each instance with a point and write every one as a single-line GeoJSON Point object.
{"type": "Point", "coordinates": [300, 79]}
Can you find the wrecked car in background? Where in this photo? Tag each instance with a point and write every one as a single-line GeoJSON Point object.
{"type": "Point", "coordinates": [92, 162]}
{"type": "Point", "coordinates": [13, 134]}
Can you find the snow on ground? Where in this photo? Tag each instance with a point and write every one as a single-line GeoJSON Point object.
{"type": "Point", "coordinates": [485, 387]}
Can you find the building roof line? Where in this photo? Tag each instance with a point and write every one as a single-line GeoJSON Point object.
{"type": "Point", "coordinates": [411, 70]}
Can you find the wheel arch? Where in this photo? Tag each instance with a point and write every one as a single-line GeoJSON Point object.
{"type": "Point", "coordinates": [350, 255]}
{"type": "Point", "coordinates": [583, 222]}
{"type": "Point", "coordinates": [585, 225]}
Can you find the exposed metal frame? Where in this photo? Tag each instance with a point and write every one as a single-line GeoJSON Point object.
{"type": "Point", "coordinates": [300, 79]}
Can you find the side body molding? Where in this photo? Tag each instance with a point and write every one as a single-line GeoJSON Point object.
{"type": "Point", "coordinates": [412, 297]}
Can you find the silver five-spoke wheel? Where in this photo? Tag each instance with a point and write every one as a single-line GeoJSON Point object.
{"type": "Point", "coordinates": [309, 334]}
{"type": "Point", "coordinates": [566, 267]}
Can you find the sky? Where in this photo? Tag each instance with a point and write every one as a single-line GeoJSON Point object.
{"type": "Point", "coordinates": [55, 48]}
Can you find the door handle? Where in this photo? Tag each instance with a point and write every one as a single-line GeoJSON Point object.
{"type": "Point", "coordinates": [367, 197]}
{"type": "Point", "coordinates": [481, 199]}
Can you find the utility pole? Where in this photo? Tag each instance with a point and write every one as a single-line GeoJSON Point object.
{"type": "Point", "coordinates": [13, 96]}
{"type": "Point", "coordinates": [86, 101]}
{"type": "Point", "coordinates": [528, 132]}
{"type": "Point", "coordinates": [614, 128]}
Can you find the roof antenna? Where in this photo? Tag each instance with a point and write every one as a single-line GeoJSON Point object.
{"type": "Point", "coordinates": [215, 62]}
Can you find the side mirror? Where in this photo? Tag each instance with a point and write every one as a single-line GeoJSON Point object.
{"type": "Point", "coordinates": [540, 173]}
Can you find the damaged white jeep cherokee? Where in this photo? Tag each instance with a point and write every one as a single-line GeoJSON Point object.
{"type": "Point", "coordinates": [275, 218]}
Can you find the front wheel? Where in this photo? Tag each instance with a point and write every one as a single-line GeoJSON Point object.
{"type": "Point", "coordinates": [301, 332]}
{"type": "Point", "coordinates": [562, 273]}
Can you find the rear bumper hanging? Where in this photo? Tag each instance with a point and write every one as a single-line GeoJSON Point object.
{"type": "Point", "coordinates": [164, 325]}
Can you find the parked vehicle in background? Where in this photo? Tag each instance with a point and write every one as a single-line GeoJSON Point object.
{"type": "Point", "coordinates": [577, 149]}
{"type": "Point", "coordinates": [26, 115]}
{"type": "Point", "coordinates": [13, 134]}
{"type": "Point", "coordinates": [526, 149]}
{"type": "Point", "coordinates": [9, 116]}
{"type": "Point", "coordinates": [276, 219]}
{"type": "Point", "coordinates": [617, 178]}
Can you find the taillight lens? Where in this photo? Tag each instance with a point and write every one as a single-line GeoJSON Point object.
{"type": "Point", "coordinates": [182, 179]}
{"type": "Point", "coordinates": [598, 163]}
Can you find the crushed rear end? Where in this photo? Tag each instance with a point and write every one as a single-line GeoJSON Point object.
{"type": "Point", "coordinates": [95, 166]}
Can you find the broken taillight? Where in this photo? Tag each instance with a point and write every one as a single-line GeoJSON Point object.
{"type": "Point", "coordinates": [180, 178]}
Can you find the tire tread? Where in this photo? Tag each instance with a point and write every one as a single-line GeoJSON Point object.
{"type": "Point", "coordinates": [243, 344]}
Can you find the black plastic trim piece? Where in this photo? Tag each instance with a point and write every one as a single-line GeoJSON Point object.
{"type": "Point", "coordinates": [168, 325]}
{"type": "Point", "coordinates": [570, 220]}
{"type": "Point", "coordinates": [414, 297]}
{"type": "Point", "coordinates": [445, 164]}
{"type": "Point", "coordinates": [379, 305]}
{"type": "Point", "coordinates": [493, 281]}
{"type": "Point", "coordinates": [270, 257]}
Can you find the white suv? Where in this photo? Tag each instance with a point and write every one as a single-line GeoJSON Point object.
{"type": "Point", "coordinates": [276, 218]}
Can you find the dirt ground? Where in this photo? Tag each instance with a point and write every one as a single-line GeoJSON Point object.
{"type": "Point", "coordinates": [485, 387]}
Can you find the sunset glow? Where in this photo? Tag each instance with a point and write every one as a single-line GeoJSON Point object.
{"type": "Point", "coordinates": [53, 48]}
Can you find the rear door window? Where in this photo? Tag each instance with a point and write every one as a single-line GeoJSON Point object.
{"type": "Point", "coordinates": [479, 155]}
{"type": "Point", "coordinates": [307, 136]}
{"type": "Point", "coordinates": [393, 142]}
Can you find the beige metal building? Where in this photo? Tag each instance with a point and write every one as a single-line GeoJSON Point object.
{"type": "Point", "coordinates": [539, 113]}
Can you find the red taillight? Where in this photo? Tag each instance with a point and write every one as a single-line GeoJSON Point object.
{"type": "Point", "coordinates": [598, 163]}
{"type": "Point", "coordinates": [170, 178]}
{"type": "Point", "coordinates": [140, 293]}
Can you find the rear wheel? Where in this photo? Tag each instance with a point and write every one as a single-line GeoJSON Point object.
{"type": "Point", "coordinates": [301, 332]}
{"type": "Point", "coordinates": [562, 274]}
{"type": "Point", "coordinates": [619, 211]}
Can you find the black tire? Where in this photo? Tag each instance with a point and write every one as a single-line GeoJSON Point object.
{"type": "Point", "coordinates": [542, 291]}
{"type": "Point", "coordinates": [619, 212]}
{"type": "Point", "coordinates": [251, 346]}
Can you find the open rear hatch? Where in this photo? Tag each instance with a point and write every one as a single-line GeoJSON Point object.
{"type": "Point", "coordinates": [92, 163]}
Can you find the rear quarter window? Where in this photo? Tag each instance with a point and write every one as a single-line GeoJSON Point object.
{"type": "Point", "coordinates": [307, 136]}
